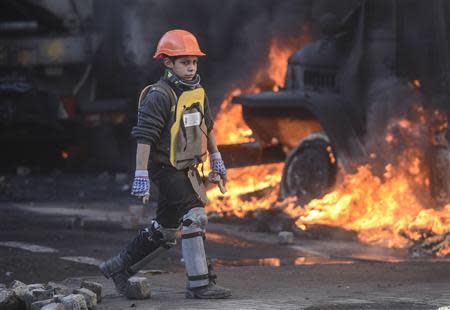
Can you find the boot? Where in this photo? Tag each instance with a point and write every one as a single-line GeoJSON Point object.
{"type": "Point", "coordinates": [119, 267]}
{"type": "Point", "coordinates": [115, 268]}
{"type": "Point", "coordinates": [210, 291]}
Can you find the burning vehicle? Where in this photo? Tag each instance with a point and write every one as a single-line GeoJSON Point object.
{"type": "Point", "coordinates": [321, 111]}
{"type": "Point", "coordinates": [361, 118]}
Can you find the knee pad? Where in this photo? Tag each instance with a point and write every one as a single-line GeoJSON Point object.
{"type": "Point", "coordinates": [195, 220]}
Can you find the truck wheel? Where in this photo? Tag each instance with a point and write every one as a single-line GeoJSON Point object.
{"type": "Point", "coordinates": [309, 171]}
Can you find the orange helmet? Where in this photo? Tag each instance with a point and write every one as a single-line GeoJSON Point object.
{"type": "Point", "coordinates": [178, 43]}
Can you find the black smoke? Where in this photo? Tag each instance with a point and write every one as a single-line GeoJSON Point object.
{"type": "Point", "coordinates": [234, 34]}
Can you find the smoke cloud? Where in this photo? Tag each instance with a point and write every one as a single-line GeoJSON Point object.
{"type": "Point", "coordinates": [234, 34]}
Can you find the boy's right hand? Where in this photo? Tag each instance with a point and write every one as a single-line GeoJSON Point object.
{"type": "Point", "coordinates": [141, 185]}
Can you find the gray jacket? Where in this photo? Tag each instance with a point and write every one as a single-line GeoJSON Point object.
{"type": "Point", "coordinates": [153, 125]}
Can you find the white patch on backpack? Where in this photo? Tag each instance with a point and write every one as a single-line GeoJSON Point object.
{"type": "Point", "coordinates": [192, 119]}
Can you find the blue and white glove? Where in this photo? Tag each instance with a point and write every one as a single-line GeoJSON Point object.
{"type": "Point", "coordinates": [218, 166]}
{"type": "Point", "coordinates": [141, 184]}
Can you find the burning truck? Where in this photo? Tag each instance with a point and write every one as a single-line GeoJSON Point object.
{"type": "Point", "coordinates": [360, 121]}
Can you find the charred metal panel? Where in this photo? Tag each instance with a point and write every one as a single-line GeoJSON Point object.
{"type": "Point", "coordinates": [330, 110]}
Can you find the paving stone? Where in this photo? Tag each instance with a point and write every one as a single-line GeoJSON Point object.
{"type": "Point", "coordinates": [42, 294]}
{"type": "Point", "coordinates": [53, 306]}
{"type": "Point", "coordinates": [138, 288]}
{"type": "Point", "coordinates": [9, 300]}
{"type": "Point", "coordinates": [35, 286]}
{"type": "Point", "coordinates": [94, 287]}
{"type": "Point", "coordinates": [89, 296]}
{"type": "Point", "coordinates": [58, 298]}
{"type": "Point", "coordinates": [74, 302]}
{"type": "Point", "coordinates": [23, 293]}
{"type": "Point", "coordinates": [285, 237]}
{"type": "Point", "coordinates": [37, 305]}
{"type": "Point", "coordinates": [58, 289]}
{"type": "Point", "coordinates": [16, 283]}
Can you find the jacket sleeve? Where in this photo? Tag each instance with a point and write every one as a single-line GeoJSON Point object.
{"type": "Point", "coordinates": [153, 115]}
{"type": "Point", "coordinates": [209, 121]}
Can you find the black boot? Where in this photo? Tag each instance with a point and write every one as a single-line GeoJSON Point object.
{"type": "Point", "coordinates": [119, 267]}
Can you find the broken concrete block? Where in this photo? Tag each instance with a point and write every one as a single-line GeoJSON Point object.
{"type": "Point", "coordinates": [23, 293]}
{"type": "Point", "coordinates": [36, 286]}
{"type": "Point", "coordinates": [138, 288]}
{"type": "Point", "coordinates": [58, 289]}
{"type": "Point", "coordinates": [37, 305]}
{"type": "Point", "coordinates": [74, 302]}
{"type": "Point", "coordinates": [42, 294]}
{"type": "Point", "coordinates": [285, 237]}
{"type": "Point", "coordinates": [9, 300]}
{"type": "Point", "coordinates": [89, 296]}
{"type": "Point", "coordinates": [16, 283]}
{"type": "Point", "coordinates": [58, 298]}
{"type": "Point", "coordinates": [53, 306]}
{"type": "Point", "coordinates": [94, 287]}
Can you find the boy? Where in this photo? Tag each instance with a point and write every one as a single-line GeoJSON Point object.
{"type": "Point", "coordinates": [173, 132]}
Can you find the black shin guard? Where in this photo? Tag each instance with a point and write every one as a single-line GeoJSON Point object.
{"type": "Point", "coordinates": [141, 246]}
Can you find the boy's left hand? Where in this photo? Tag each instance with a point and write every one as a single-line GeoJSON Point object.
{"type": "Point", "coordinates": [218, 166]}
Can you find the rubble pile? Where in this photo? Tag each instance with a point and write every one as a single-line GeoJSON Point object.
{"type": "Point", "coordinates": [50, 296]}
{"type": "Point", "coordinates": [432, 245]}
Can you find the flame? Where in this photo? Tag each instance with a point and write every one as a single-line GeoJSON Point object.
{"type": "Point", "coordinates": [249, 188]}
{"type": "Point", "coordinates": [230, 126]}
{"type": "Point", "coordinates": [392, 208]}
{"type": "Point", "coordinates": [229, 119]}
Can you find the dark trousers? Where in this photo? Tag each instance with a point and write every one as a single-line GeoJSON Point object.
{"type": "Point", "coordinates": [176, 194]}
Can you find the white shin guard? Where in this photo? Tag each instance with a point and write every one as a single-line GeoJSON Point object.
{"type": "Point", "coordinates": [192, 233]}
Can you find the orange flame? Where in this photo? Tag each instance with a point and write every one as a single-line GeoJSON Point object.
{"type": "Point", "coordinates": [389, 209]}
{"type": "Point", "coordinates": [230, 126]}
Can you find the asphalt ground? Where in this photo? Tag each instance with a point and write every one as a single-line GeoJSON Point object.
{"type": "Point", "coordinates": [309, 274]}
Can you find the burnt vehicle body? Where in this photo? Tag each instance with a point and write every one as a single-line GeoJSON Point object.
{"type": "Point", "coordinates": [48, 87]}
{"type": "Point", "coordinates": [320, 115]}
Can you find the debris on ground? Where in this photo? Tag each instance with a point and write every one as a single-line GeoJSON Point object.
{"type": "Point", "coordinates": [53, 296]}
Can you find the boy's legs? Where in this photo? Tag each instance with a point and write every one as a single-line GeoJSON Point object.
{"type": "Point", "coordinates": [177, 201]}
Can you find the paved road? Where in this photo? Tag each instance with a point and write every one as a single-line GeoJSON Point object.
{"type": "Point", "coordinates": [310, 274]}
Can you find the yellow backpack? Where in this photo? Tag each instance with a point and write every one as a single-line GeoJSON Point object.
{"type": "Point", "coordinates": [188, 132]}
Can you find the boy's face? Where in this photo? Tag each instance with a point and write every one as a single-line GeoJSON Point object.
{"type": "Point", "coordinates": [184, 67]}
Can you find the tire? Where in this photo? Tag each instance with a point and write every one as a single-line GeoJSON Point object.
{"type": "Point", "coordinates": [308, 172]}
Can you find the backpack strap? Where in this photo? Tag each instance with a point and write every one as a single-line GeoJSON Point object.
{"type": "Point", "coordinates": [162, 87]}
